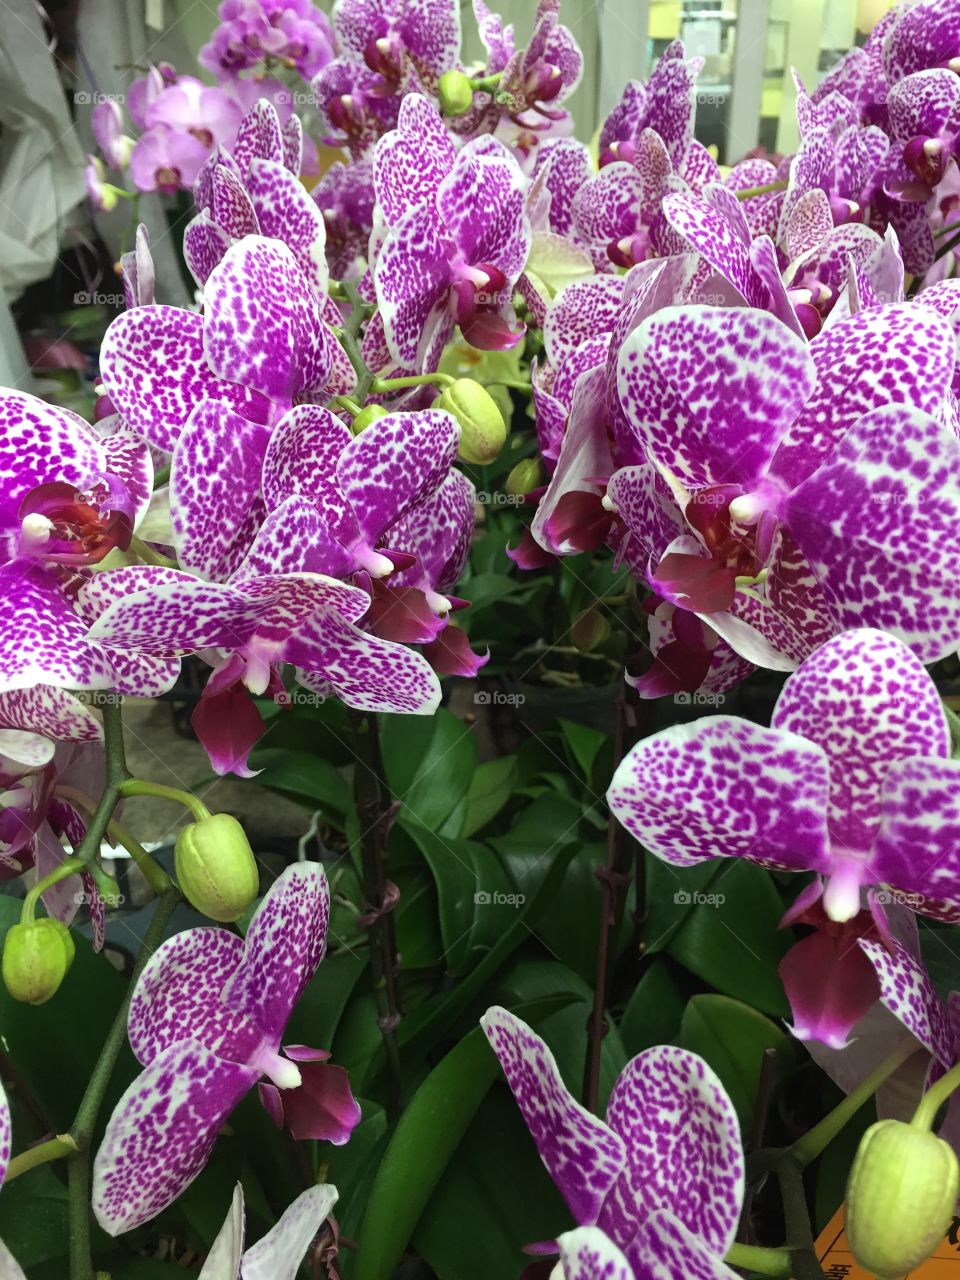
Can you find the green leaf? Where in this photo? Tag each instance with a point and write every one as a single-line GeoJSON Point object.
{"type": "Point", "coordinates": [654, 1010]}
{"type": "Point", "coordinates": [33, 1217]}
{"type": "Point", "coordinates": [732, 1038]}
{"type": "Point", "coordinates": [490, 789]}
{"type": "Point", "coordinates": [429, 762]}
{"type": "Point", "coordinates": [584, 743]}
{"type": "Point", "coordinates": [319, 1010]}
{"type": "Point", "coordinates": [306, 777]}
{"type": "Point", "coordinates": [731, 940]}
{"type": "Point", "coordinates": [426, 1136]}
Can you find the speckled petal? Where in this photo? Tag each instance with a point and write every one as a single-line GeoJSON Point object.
{"type": "Point", "coordinates": [223, 1260]}
{"type": "Point", "coordinates": [302, 458]}
{"type": "Point", "coordinates": [50, 711]}
{"type": "Point", "coordinates": [278, 1254]}
{"type": "Point", "coordinates": [682, 1140]}
{"type": "Point", "coordinates": [412, 160]}
{"type": "Point", "coordinates": [910, 353]}
{"type": "Point", "coordinates": [867, 701]}
{"type": "Point", "coordinates": [589, 1254]}
{"type": "Point", "coordinates": [154, 369]}
{"type": "Point", "coordinates": [579, 312]}
{"type": "Point", "coordinates": [917, 848]}
{"type": "Point", "coordinates": [395, 463]}
{"type": "Point", "coordinates": [908, 992]}
{"type": "Point", "coordinates": [4, 1134]}
{"type": "Point", "coordinates": [286, 212]}
{"type": "Point", "coordinates": [232, 208]}
{"type": "Point", "coordinates": [722, 787]}
{"type": "Point", "coordinates": [204, 245]}
{"type": "Point", "coordinates": [40, 443]}
{"type": "Point", "coordinates": [707, 229]}
{"type": "Point", "coordinates": [262, 324]}
{"type": "Point", "coordinates": [437, 530]}
{"type": "Point", "coordinates": [664, 1249]}
{"type": "Point", "coordinates": [582, 1154]}
{"type": "Point", "coordinates": [285, 942]}
{"type": "Point", "coordinates": [366, 672]}
{"type": "Point", "coordinates": [259, 136]}
{"type": "Point", "coordinates": [877, 524]}
{"type": "Point", "coordinates": [483, 206]}
{"type": "Point", "coordinates": [710, 391]}
{"type": "Point", "coordinates": [412, 275]}
{"type": "Point", "coordinates": [44, 639]}
{"type": "Point", "coordinates": [162, 1132]}
{"type": "Point", "coordinates": [214, 489]}
{"type": "Point", "coordinates": [178, 997]}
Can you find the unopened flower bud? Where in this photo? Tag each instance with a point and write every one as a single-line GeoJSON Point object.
{"type": "Point", "coordinates": [36, 957]}
{"type": "Point", "coordinates": [900, 1197]}
{"type": "Point", "coordinates": [589, 630]}
{"type": "Point", "coordinates": [216, 869]}
{"type": "Point", "coordinates": [456, 93]}
{"type": "Point", "coordinates": [366, 416]}
{"type": "Point", "coordinates": [524, 477]}
{"type": "Point", "coordinates": [483, 430]}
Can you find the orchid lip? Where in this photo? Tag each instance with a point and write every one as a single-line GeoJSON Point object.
{"type": "Point", "coordinates": [281, 1071]}
{"type": "Point", "coordinates": [841, 893]}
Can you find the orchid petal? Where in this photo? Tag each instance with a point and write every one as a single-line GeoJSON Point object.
{"type": "Point", "coordinates": [278, 1254]}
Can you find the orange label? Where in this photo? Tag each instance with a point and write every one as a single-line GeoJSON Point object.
{"type": "Point", "coordinates": [839, 1264]}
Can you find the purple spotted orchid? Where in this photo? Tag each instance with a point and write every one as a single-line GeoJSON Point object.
{"type": "Point", "coordinates": [665, 104]}
{"type": "Point", "coordinates": [276, 1255]}
{"type": "Point", "coordinates": [824, 481]}
{"type": "Point", "coordinates": [659, 1184]}
{"type": "Point", "coordinates": [853, 780]}
{"type": "Point", "coordinates": [388, 49]}
{"type": "Point", "coordinates": [251, 32]}
{"type": "Point", "coordinates": [10, 1269]}
{"type": "Point", "coordinates": [458, 238]}
{"type": "Point", "coordinates": [206, 1022]}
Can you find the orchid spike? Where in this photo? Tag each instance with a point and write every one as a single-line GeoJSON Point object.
{"type": "Point", "coordinates": [206, 1021]}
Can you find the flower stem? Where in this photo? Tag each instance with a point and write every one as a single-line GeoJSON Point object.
{"type": "Point", "coordinates": [85, 1122]}
{"type": "Point", "coordinates": [752, 1257]}
{"type": "Point", "coordinates": [42, 1153]}
{"type": "Point", "coordinates": [747, 192]}
{"type": "Point", "coordinates": [139, 787]}
{"type": "Point", "coordinates": [69, 867]}
{"type": "Point", "coordinates": [935, 1097]}
{"type": "Point", "coordinates": [614, 879]}
{"type": "Point", "coordinates": [348, 338]}
{"type": "Point", "coordinates": [153, 873]}
{"type": "Point", "coordinates": [375, 814]}
{"type": "Point", "coordinates": [116, 772]}
{"type": "Point", "coordinates": [149, 556]}
{"type": "Point", "coordinates": [487, 82]}
{"type": "Point", "coordinates": [381, 386]}
{"type": "Point", "coordinates": [815, 1140]}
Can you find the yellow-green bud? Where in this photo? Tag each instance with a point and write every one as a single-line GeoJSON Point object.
{"type": "Point", "coordinates": [900, 1197]}
{"type": "Point", "coordinates": [456, 93]}
{"type": "Point", "coordinates": [364, 418]}
{"type": "Point", "coordinates": [589, 630]}
{"type": "Point", "coordinates": [483, 430]}
{"type": "Point", "coordinates": [524, 477]}
{"type": "Point", "coordinates": [216, 869]}
{"type": "Point", "coordinates": [36, 957]}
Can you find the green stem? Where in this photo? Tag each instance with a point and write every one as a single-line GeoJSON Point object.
{"type": "Point", "coordinates": [116, 771]}
{"type": "Point", "coordinates": [348, 337]}
{"type": "Point", "coordinates": [487, 82]}
{"type": "Point", "coordinates": [161, 477]}
{"type": "Point", "coordinates": [815, 1140]}
{"type": "Point", "coordinates": [53, 1149]}
{"type": "Point", "coordinates": [138, 787]}
{"type": "Point", "coordinates": [380, 386]}
{"type": "Point", "coordinates": [67, 868]}
{"type": "Point", "coordinates": [149, 556]}
{"type": "Point", "coordinates": [747, 192]}
{"type": "Point", "coordinates": [751, 1257]}
{"type": "Point", "coordinates": [934, 1098]}
{"type": "Point", "coordinates": [153, 873]}
{"type": "Point", "coordinates": [351, 406]}
{"type": "Point", "coordinates": [85, 1122]}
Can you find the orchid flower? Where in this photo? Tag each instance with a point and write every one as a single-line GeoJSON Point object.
{"type": "Point", "coordinates": [10, 1269]}
{"type": "Point", "coordinates": [457, 242]}
{"type": "Point", "coordinates": [206, 1022]}
{"type": "Point", "coordinates": [276, 1255]}
{"type": "Point", "coordinates": [768, 483]}
{"type": "Point", "coordinates": [659, 1183]}
{"type": "Point", "coordinates": [665, 104]}
{"type": "Point", "coordinates": [853, 780]}
{"type": "Point", "coordinates": [252, 31]}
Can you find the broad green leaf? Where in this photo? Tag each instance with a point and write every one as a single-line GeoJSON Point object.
{"type": "Point", "coordinates": [33, 1216]}
{"type": "Point", "coordinates": [730, 938]}
{"type": "Point", "coordinates": [654, 1010]}
{"type": "Point", "coordinates": [305, 777]}
{"type": "Point", "coordinates": [732, 1037]}
{"type": "Point", "coordinates": [319, 1010]}
{"type": "Point", "coordinates": [584, 743]}
{"type": "Point", "coordinates": [429, 762]}
{"type": "Point", "coordinates": [427, 1134]}
{"type": "Point", "coordinates": [490, 789]}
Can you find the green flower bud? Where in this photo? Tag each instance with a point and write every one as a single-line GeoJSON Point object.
{"type": "Point", "coordinates": [483, 430]}
{"type": "Point", "coordinates": [36, 957]}
{"type": "Point", "coordinates": [900, 1197]}
{"type": "Point", "coordinates": [456, 93]}
{"type": "Point", "coordinates": [216, 869]}
{"type": "Point", "coordinates": [589, 630]}
{"type": "Point", "coordinates": [364, 418]}
{"type": "Point", "coordinates": [524, 477]}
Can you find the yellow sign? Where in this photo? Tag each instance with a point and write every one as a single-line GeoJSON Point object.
{"type": "Point", "coordinates": [838, 1262]}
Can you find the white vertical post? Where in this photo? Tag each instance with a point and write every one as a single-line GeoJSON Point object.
{"type": "Point", "coordinates": [743, 119]}
{"type": "Point", "coordinates": [624, 28]}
